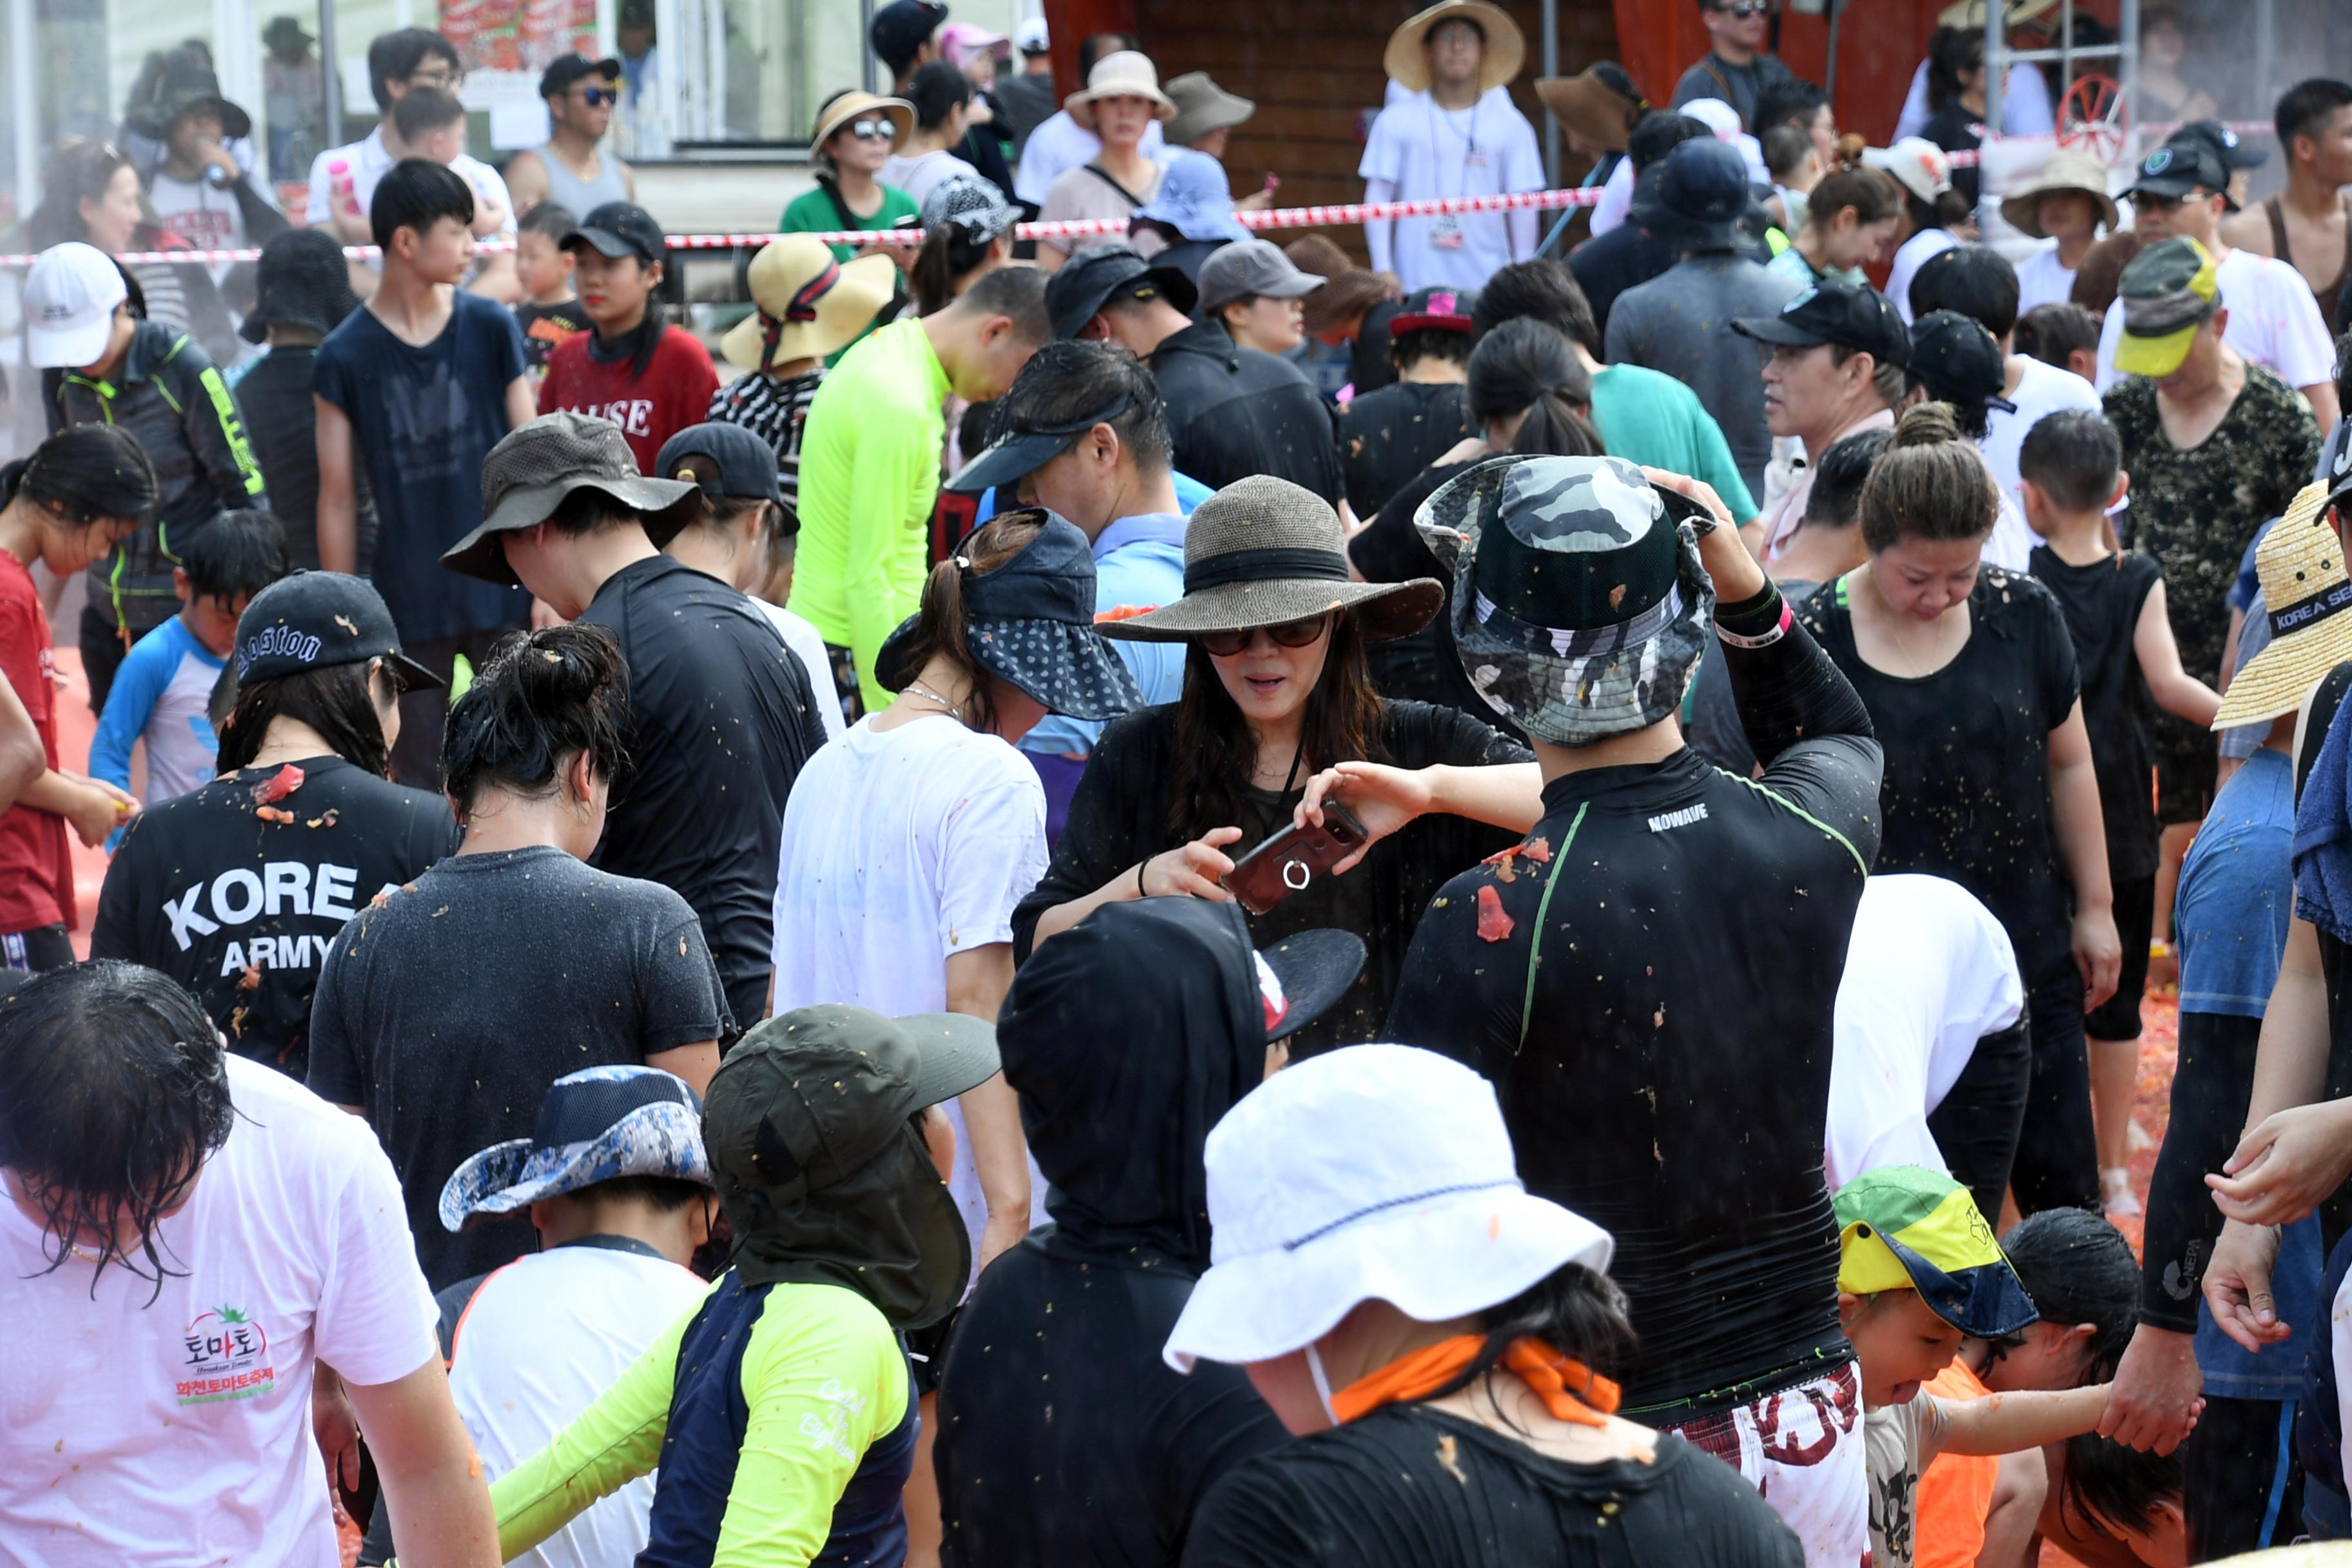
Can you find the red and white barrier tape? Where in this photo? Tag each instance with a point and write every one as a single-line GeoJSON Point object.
{"type": "Point", "coordinates": [1968, 157]}
{"type": "Point", "coordinates": [1075, 228]}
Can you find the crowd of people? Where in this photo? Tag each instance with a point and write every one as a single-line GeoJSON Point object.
{"type": "Point", "coordinates": [1177, 899]}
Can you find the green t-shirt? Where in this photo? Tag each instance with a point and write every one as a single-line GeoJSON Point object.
{"type": "Point", "coordinates": [813, 212]}
{"type": "Point", "coordinates": [1647, 417]}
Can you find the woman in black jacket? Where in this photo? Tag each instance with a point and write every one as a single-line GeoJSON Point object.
{"type": "Point", "coordinates": [1275, 692]}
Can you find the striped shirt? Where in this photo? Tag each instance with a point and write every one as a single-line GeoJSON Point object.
{"type": "Point", "coordinates": [776, 411]}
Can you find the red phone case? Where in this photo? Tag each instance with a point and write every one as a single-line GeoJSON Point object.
{"type": "Point", "coordinates": [1289, 862]}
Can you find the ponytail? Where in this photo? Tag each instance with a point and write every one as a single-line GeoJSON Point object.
{"type": "Point", "coordinates": [1929, 484]}
{"type": "Point", "coordinates": [542, 699]}
{"type": "Point", "coordinates": [1528, 366]}
{"type": "Point", "coordinates": [947, 253]}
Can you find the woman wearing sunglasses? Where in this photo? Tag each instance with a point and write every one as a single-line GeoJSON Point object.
{"type": "Point", "coordinates": [856, 134]}
{"type": "Point", "coordinates": [1275, 697]}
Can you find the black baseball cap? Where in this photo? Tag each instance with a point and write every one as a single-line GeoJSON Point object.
{"type": "Point", "coordinates": [2235, 153]}
{"type": "Point", "coordinates": [901, 28]}
{"type": "Point", "coordinates": [1959, 360]}
{"type": "Point", "coordinates": [724, 459]}
{"type": "Point", "coordinates": [557, 79]}
{"type": "Point", "coordinates": [1845, 313]}
{"type": "Point", "coordinates": [1093, 278]}
{"type": "Point", "coordinates": [617, 229]}
{"type": "Point", "coordinates": [1025, 448]}
{"type": "Point", "coordinates": [315, 620]}
{"type": "Point", "coordinates": [2186, 162]}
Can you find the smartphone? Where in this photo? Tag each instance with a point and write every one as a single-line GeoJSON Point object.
{"type": "Point", "coordinates": [1291, 860]}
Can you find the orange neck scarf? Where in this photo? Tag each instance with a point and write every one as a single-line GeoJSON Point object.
{"type": "Point", "coordinates": [1569, 1389]}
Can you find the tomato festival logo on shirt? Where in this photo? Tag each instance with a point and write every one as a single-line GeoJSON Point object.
{"type": "Point", "coordinates": [228, 1358]}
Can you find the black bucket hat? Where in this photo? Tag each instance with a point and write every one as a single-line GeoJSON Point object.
{"type": "Point", "coordinates": [539, 462]}
{"type": "Point", "coordinates": [1031, 622]}
{"type": "Point", "coordinates": [301, 281]}
{"type": "Point", "coordinates": [188, 87]}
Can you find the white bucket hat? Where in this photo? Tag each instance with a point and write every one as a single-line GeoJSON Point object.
{"type": "Point", "coordinates": [1126, 73]}
{"type": "Point", "coordinates": [1376, 1172]}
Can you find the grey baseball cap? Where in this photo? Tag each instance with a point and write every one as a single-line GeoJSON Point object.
{"type": "Point", "coordinates": [1250, 267]}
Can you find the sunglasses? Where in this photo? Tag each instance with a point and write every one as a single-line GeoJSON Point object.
{"type": "Point", "coordinates": [598, 97]}
{"type": "Point", "coordinates": [1290, 634]}
{"type": "Point", "coordinates": [1744, 10]}
{"type": "Point", "coordinates": [872, 129]}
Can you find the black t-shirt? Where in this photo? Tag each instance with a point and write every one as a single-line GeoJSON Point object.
{"type": "Point", "coordinates": [241, 911]}
{"type": "Point", "coordinates": [1369, 367]}
{"type": "Point", "coordinates": [1966, 786]}
{"type": "Point", "coordinates": [2102, 604]}
{"type": "Point", "coordinates": [1650, 990]}
{"type": "Point", "coordinates": [1387, 437]}
{"type": "Point", "coordinates": [1954, 129]}
{"type": "Point", "coordinates": [547, 328]}
{"type": "Point", "coordinates": [723, 718]}
{"type": "Point", "coordinates": [1417, 1487]}
{"type": "Point", "coordinates": [1423, 666]}
{"type": "Point", "coordinates": [282, 423]}
{"type": "Point", "coordinates": [445, 1013]}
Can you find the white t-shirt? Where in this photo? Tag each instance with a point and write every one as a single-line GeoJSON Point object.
{"type": "Point", "coordinates": [2274, 321]}
{"type": "Point", "coordinates": [808, 645]}
{"type": "Point", "coordinates": [2043, 279]}
{"type": "Point", "coordinates": [1928, 973]}
{"type": "Point", "coordinates": [368, 160]}
{"type": "Point", "coordinates": [2340, 1335]}
{"type": "Point", "coordinates": [1899, 1442]}
{"type": "Point", "coordinates": [1912, 254]}
{"type": "Point", "coordinates": [543, 1338]}
{"type": "Point", "coordinates": [178, 1430]}
{"type": "Point", "coordinates": [901, 848]}
{"type": "Point", "coordinates": [1616, 203]}
{"type": "Point", "coordinates": [2041, 390]}
{"type": "Point", "coordinates": [1061, 144]}
{"type": "Point", "coordinates": [919, 175]}
{"type": "Point", "coordinates": [1428, 152]}
{"type": "Point", "coordinates": [200, 213]}
{"type": "Point", "coordinates": [2010, 546]}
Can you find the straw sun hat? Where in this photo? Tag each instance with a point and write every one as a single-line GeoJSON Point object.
{"type": "Point", "coordinates": [1262, 552]}
{"type": "Point", "coordinates": [851, 106]}
{"type": "Point", "coordinates": [1126, 73]}
{"type": "Point", "coordinates": [809, 305]}
{"type": "Point", "coordinates": [1407, 60]}
{"type": "Point", "coordinates": [2069, 169]}
{"type": "Point", "coordinates": [2306, 590]}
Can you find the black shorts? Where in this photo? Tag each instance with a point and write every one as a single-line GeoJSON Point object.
{"type": "Point", "coordinates": [2117, 1017]}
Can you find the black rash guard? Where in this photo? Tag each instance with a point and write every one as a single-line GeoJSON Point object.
{"type": "Point", "coordinates": [1653, 1004]}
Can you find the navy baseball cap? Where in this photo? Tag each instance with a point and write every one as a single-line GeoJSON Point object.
{"type": "Point", "coordinates": [901, 28]}
{"type": "Point", "coordinates": [617, 229]}
{"type": "Point", "coordinates": [724, 459]}
{"type": "Point", "coordinates": [1846, 313]}
{"type": "Point", "coordinates": [1022, 450]}
{"type": "Point", "coordinates": [314, 620]}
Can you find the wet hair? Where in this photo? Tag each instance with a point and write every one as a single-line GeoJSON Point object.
{"type": "Point", "coordinates": [936, 90]}
{"type": "Point", "coordinates": [1835, 499]}
{"type": "Point", "coordinates": [334, 699]}
{"type": "Point", "coordinates": [940, 619]}
{"type": "Point", "coordinates": [1577, 1311]}
{"type": "Point", "coordinates": [664, 1195]}
{"type": "Point", "coordinates": [1524, 364]}
{"type": "Point", "coordinates": [1063, 382]}
{"type": "Point", "coordinates": [2078, 1269]}
{"type": "Point", "coordinates": [540, 700]}
{"type": "Point", "coordinates": [588, 511]}
{"type": "Point", "coordinates": [1873, 193]}
{"type": "Point", "coordinates": [1976, 280]}
{"type": "Point", "coordinates": [237, 553]}
{"type": "Point", "coordinates": [416, 193]}
{"type": "Point", "coordinates": [2075, 455]}
{"type": "Point", "coordinates": [84, 474]}
{"type": "Point", "coordinates": [113, 1093]}
{"type": "Point", "coordinates": [1659, 133]}
{"type": "Point", "coordinates": [1929, 484]}
{"type": "Point", "coordinates": [1794, 102]}
{"type": "Point", "coordinates": [552, 220]}
{"type": "Point", "coordinates": [395, 57]}
{"type": "Point", "coordinates": [947, 252]}
{"type": "Point", "coordinates": [2051, 332]}
{"type": "Point", "coordinates": [1785, 147]}
{"type": "Point", "coordinates": [2304, 108]}
{"type": "Point", "coordinates": [1543, 290]}
{"type": "Point", "coordinates": [1949, 52]}
{"type": "Point", "coordinates": [1446, 343]}
{"type": "Point", "coordinates": [1015, 291]}
{"type": "Point", "coordinates": [79, 171]}
{"type": "Point", "coordinates": [423, 111]}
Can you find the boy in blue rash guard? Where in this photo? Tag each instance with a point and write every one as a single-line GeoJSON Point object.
{"type": "Point", "coordinates": [163, 692]}
{"type": "Point", "coordinates": [781, 1413]}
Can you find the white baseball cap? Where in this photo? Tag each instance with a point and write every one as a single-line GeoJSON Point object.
{"type": "Point", "coordinates": [69, 300]}
{"type": "Point", "coordinates": [1029, 37]}
{"type": "Point", "coordinates": [1370, 1172]}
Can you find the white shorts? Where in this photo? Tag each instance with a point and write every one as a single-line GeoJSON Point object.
{"type": "Point", "coordinates": [1800, 1448]}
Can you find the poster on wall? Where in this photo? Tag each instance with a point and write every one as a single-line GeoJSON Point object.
{"type": "Point", "coordinates": [505, 44]}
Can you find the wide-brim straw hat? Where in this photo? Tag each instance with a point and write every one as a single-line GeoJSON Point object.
{"type": "Point", "coordinates": [1407, 62]}
{"type": "Point", "coordinates": [2069, 169]}
{"type": "Point", "coordinates": [1129, 73]}
{"type": "Point", "coordinates": [1971, 13]}
{"type": "Point", "coordinates": [1202, 106]}
{"type": "Point", "coordinates": [1263, 553]}
{"type": "Point", "coordinates": [808, 305]}
{"type": "Point", "coordinates": [1601, 106]}
{"type": "Point", "coordinates": [2306, 593]}
{"type": "Point", "coordinates": [849, 106]}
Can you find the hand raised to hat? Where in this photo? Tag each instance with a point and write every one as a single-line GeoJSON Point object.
{"type": "Point", "coordinates": [1736, 574]}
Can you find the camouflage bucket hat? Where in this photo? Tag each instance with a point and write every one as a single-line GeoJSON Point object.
{"type": "Point", "coordinates": [1579, 608]}
{"type": "Point", "coordinates": [595, 1125]}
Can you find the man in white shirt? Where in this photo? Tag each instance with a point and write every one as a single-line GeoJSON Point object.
{"type": "Point", "coordinates": [189, 1239]}
{"type": "Point", "coordinates": [616, 1183]}
{"type": "Point", "coordinates": [1455, 136]}
{"type": "Point", "coordinates": [2183, 189]}
{"type": "Point", "coordinates": [1061, 143]}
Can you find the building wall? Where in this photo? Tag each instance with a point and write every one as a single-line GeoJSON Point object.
{"type": "Point", "coordinates": [1314, 69]}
